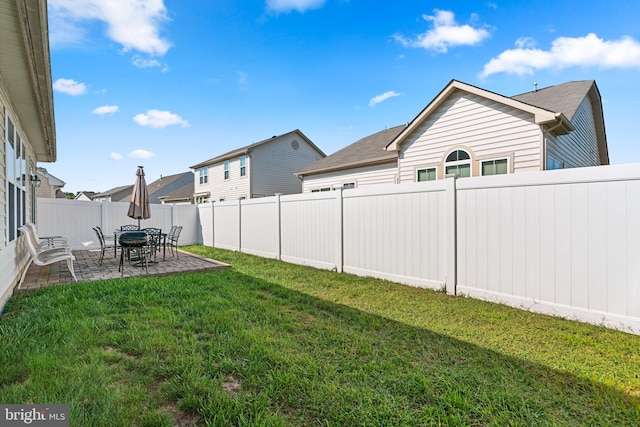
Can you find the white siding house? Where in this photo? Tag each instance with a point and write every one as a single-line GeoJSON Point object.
{"type": "Point", "coordinates": [27, 128]}
{"type": "Point", "coordinates": [473, 132]}
{"type": "Point", "coordinates": [257, 170]}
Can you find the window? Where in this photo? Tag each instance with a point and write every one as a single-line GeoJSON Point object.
{"type": "Point", "coordinates": [16, 169]}
{"type": "Point", "coordinates": [226, 170]}
{"type": "Point", "coordinates": [348, 185]}
{"type": "Point", "coordinates": [553, 163]}
{"type": "Point", "coordinates": [204, 175]}
{"type": "Point", "coordinates": [222, 199]}
{"type": "Point", "coordinates": [243, 166]}
{"type": "Point", "coordinates": [458, 162]}
{"type": "Point", "coordinates": [201, 200]}
{"type": "Point", "coordinates": [428, 174]}
{"type": "Point", "coordinates": [317, 190]}
{"type": "Point", "coordinates": [494, 167]}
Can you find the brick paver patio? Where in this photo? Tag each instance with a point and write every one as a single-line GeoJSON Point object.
{"type": "Point", "coordinates": [86, 268]}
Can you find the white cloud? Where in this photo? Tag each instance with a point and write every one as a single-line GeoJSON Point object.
{"type": "Point", "coordinates": [134, 24]}
{"type": "Point", "coordinates": [446, 33]}
{"type": "Point", "coordinates": [565, 52]}
{"type": "Point", "coordinates": [289, 5]}
{"type": "Point", "coordinates": [159, 119]}
{"type": "Point", "coordinates": [383, 97]}
{"type": "Point", "coordinates": [141, 62]}
{"type": "Point", "coordinates": [106, 109]}
{"type": "Point", "coordinates": [116, 156]}
{"type": "Point", "coordinates": [70, 87]}
{"type": "Point", "coordinates": [141, 154]}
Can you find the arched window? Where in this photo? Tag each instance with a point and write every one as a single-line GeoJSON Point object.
{"type": "Point", "coordinates": [458, 162]}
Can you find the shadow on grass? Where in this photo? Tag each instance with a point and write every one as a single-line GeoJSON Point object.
{"type": "Point", "coordinates": [225, 348]}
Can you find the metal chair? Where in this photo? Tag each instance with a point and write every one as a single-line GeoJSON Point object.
{"type": "Point", "coordinates": [155, 240]}
{"type": "Point", "coordinates": [103, 245]}
{"type": "Point", "coordinates": [109, 240]}
{"type": "Point", "coordinates": [130, 227]}
{"type": "Point", "coordinates": [172, 239]}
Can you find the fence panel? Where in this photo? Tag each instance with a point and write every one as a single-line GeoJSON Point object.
{"type": "Point", "coordinates": [226, 228]}
{"type": "Point", "coordinates": [205, 221]}
{"type": "Point", "coordinates": [310, 225]}
{"type": "Point", "coordinates": [397, 233]}
{"type": "Point", "coordinates": [186, 215]}
{"type": "Point", "coordinates": [260, 227]}
{"type": "Point", "coordinates": [560, 242]}
{"type": "Point", "coordinates": [71, 219]}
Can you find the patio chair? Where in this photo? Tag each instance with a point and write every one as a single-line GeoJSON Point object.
{"type": "Point", "coordinates": [46, 241]}
{"type": "Point", "coordinates": [45, 256]}
{"type": "Point", "coordinates": [155, 240]}
{"type": "Point", "coordinates": [130, 227]}
{"type": "Point", "coordinates": [104, 246]}
{"type": "Point", "coordinates": [172, 240]}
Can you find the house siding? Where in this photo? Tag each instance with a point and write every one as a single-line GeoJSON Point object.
{"type": "Point", "coordinates": [274, 165]}
{"type": "Point", "coordinates": [13, 255]}
{"type": "Point", "coordinates": [227, 189]}
{"type": "Point", "coordinates": [580, 147]}
{"type": "Point", "coordinates": [362, 177]}
{"type": "Point", "coordinates": [489, 129]}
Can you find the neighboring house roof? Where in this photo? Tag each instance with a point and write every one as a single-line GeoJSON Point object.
{"type": "Point", "coordinates": [248, 148]}
{"type": "Point", "coordinates": [51, 180]}
{"type": "Point", "coordinates": [553, 119]}
{"type": "Point", "coordinates": [168, 184]}
{"type": "Point", "coordinates": [85, 195]}
{"type": "Point", "coordinates": [567, 98]}
{"type": "Point", "coordinates": [183, 193]}
{"type": "Point", "coordinates": [26, 68]}
{"type": "Point", "coordinates": [368, 151]}
{"type": "Point", "coordinates": [116, 193]}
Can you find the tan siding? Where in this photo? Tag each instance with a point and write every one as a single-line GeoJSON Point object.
{"type": "Point", "coordinates": [580, 147]}
{"type": "Point", "coordinates": [362, 177]}
{"type": "Point", "coordinates": [488, 128]}
{"type": "Point", "coordinates": [275, 165]}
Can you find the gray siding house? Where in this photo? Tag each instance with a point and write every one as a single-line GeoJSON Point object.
{"type": "Point", "coordinates": [473, 132]}
{"type": "Point", "coordinates": [256, 170]}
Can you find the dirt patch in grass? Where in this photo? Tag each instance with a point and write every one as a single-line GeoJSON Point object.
{"type": "Point", "coordinates": [180, 418]}
{"type": "Point", "coordinates": [232, 385]}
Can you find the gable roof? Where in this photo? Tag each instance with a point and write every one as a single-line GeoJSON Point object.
{"type": "Point", "coordinates": [555, 120]}
{"type": "Point", "coordinates": [567, 98]}
{"type": "Point", "coordinates": [248, 148]}
{"type": "Point", "coordinates": [182, 193]}
{"type": "Point", "coordinates": [51, 180]}
{"type": "Point", "coordinates": [368, 151]}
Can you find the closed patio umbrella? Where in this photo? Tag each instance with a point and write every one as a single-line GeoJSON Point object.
{"type": "Point", "coordinates": [139, 206]}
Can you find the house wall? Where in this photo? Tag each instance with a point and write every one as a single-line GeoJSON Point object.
{"type": "Point", "coordinates": [228, 189]}
{"type": "Point", "coordinates": [45, 190]}
{"type": "Point", "coordinates": [274, 165]}
{"type": "Point", "coordinates": [362, 177]}
{"type": "Point", "coordinates": [491, 130]}
{"type": "Point", "coordinates": [13, 255]}
{"type": "Point", "coordinates": [580, 147]}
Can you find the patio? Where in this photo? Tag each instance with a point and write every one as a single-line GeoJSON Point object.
{"type": "Point", "coordinates": [87, 269]}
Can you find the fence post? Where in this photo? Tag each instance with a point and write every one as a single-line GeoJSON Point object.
{"type": "Point", "coordinates": [451, 233]}
{"type": "Point", "coordinates": [239, 225]}
{"type": "Point", "coordinates": [339, 232]}
{"type": "Point", "coordinates": [278, 227]}
{"type": "Point", "coordinates": [213, 225]}
{"type": "Point", "coordinates": [103, 215]}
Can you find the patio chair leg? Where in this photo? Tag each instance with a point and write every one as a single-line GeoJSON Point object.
{"type": "Point", "coordinates": [71, 270]}
{"type": "Point", "coordinates": [24, 273]}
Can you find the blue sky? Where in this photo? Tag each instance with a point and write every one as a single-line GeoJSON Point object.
{"type": "Point", "coordinates": [168, 84]}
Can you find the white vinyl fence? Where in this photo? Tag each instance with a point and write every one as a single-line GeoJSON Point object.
{"type": "Point", "coordinates": [560, 242]}
{"type": "Point", "coordinates": [75, 219]}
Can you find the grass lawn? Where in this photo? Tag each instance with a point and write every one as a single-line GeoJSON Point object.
{"type": "Point", "coordinates": [269, 343]}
